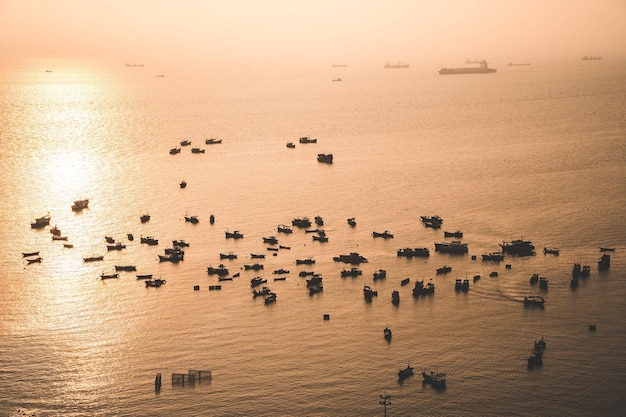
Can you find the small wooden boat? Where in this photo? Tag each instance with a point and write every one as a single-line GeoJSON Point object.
{"type": "Point", "coordinates": [29, 254]}
{"type": "Point", "coordinates": [387, 333]}
{"type": "Point", "coordinates": [144, 276]}
{"type": "Point", "coordinates": [93, 258]}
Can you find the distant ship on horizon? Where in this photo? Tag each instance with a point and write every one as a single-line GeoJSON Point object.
{"type": "Point", "coordinates": [128, 64]}
{"type": "Point", "coordinates": [399, 65]}
{"type": "Point", "coordinates": [511, 64]}
{"type": "Point", "coordinates": [339, 65]}
{"type": "Point", "coordinates": [590, 58]}
{"type": "Point", "coordinates": [482, 69]}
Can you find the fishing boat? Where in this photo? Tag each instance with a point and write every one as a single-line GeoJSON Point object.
{"type": "Point", "coordinates": [605, 262]}
{"type": "Point", "coordinates": [80, 205]}
{"type": "Point", "coordinates": [302, 222]}
{"type": "Point", "coordinates": [387, 333]}
{"type": "Point", "coordinates": [551, 251]}
{"type": "Point", "coordinates": [435, 379]}
{"type": "Point", "coordinates": [149, 240]}
{"type": "Point", "coordinates": [493, 256]}
{"type": "Point", "coordinates": [368, 292]}
{"type": "Point", "coordinates": [385, 235]}
{"type": "Point", "coordinates": [433, 222]}
{"type": "Point", "coordinates": [109, 276]}
{"type": "Point", "coordinates": [233, 235]}
{"type": "Point", "coordinates": [405, 373]}
{"type": "Point", "coordinates": [41, 222]}
{"type": "Point", "coordinates": [395, 297]}
{"type": "Point", "coordinates": [353, 258]}
{"type": "Point", "coordinates": [380, 274]}
{"type": "Point", "coordinates": [534, 300]}
{"type": "Point", "coordinates": [306, 261]}
{"type": "Point", "coordinates": [256, 281]}
{"type": "Point", "coordinates": [192, 219]}
{"type": "Point", "coordinates": [455, 247]}
{"type": "Point", "coordinates": [420, 289]}
{"type": "Point", "coordinates": [253, 267]}
{"type": "Point", "coordinates": [444, 269]}
{"type": "Point", "coordinates": [212, 141]}
{"type": "Point", "coordinates": [144, 276]}
{"type": "Point", "coordinates": [155, 282]}
{"type": "Point", "coordinates": [283, 228]}
{"type": "Point", "coordinates": [325, 158]}
{"type": "Point", "coordinates": [221, 270]}
{"type": "Point", "coordinates": [307, 139]}
{"type": "Point", "coordinates": [93, 258]}
{"type": "Point", "coordinates": [518, 247]}
{"type": "Point", "coordinates": [411, 252]}
{"type": "Point", "coordinates": [117, 246]}
{"type": "Point", "coordinates": [125, 268]}
{"type": "Point", "coordinates": [352, 272]}
{"type": "Point", "coordinates": [29, 254]}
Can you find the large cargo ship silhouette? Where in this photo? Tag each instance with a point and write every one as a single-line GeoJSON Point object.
{"type": "Point", "coordinates": [483, 68]}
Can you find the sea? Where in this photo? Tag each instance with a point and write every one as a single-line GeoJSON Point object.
{"type": "Point", "coordinates": [534, 153]}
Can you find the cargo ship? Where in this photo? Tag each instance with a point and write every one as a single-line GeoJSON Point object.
{"type": "Point", "coordinates": [399, 65]}
{"type": "Point", "coordinates": [590, 58]}
{"type": "Point", "coordinates": [482, 69]}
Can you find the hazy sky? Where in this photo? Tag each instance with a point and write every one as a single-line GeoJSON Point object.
{"type": "Point", "coordinates": [316, 32]}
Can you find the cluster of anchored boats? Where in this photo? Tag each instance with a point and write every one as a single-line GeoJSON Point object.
{"type": "Point", "coordinates": [314, 281]}
{"type": "Point", "coordinates": [195, 149]}
{"type": "Point", "coordinates": [326, 158]}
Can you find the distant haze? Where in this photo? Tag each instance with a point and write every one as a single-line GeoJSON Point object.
{"type": "Point", "coordinates": [288, 33]}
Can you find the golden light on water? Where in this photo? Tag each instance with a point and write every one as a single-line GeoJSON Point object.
{"type": "Point", "coordinates": [68, 172]}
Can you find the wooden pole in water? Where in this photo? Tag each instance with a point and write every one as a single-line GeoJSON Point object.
{"type": "Point", "coordinates": [385, 401]}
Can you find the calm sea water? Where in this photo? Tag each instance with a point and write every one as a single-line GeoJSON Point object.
{"type": "Point", "coordinates": [532, 153]}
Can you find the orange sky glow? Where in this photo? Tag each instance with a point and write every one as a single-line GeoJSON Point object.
{"type": "Point", "coordinates": [305, 33]}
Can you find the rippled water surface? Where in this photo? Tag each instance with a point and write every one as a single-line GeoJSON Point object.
{"type": "Point", "coordinates": [538, 154]}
